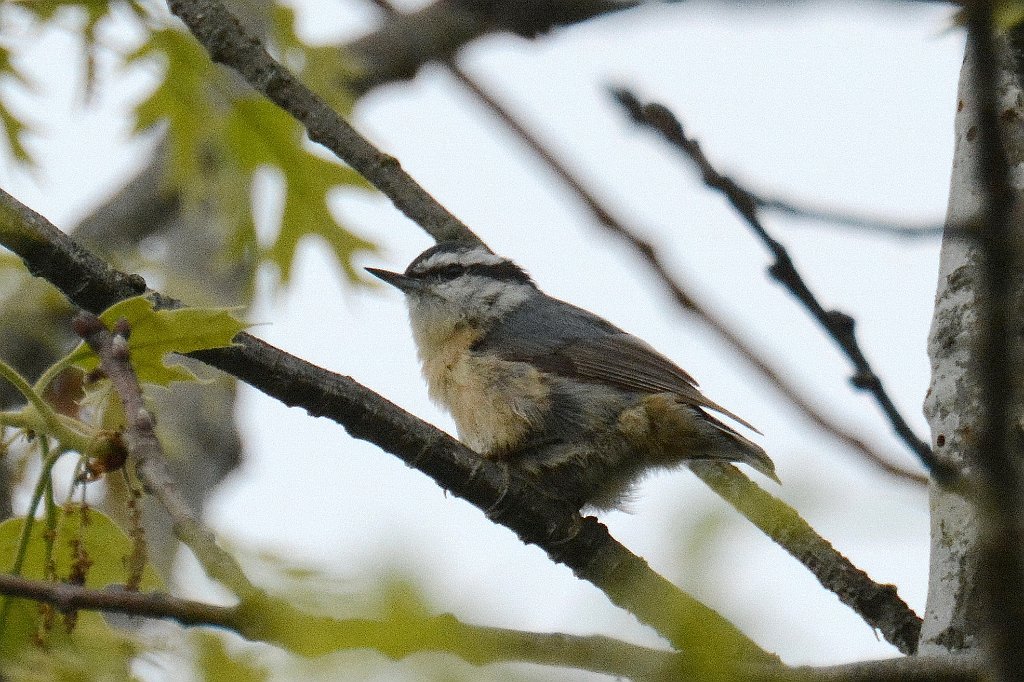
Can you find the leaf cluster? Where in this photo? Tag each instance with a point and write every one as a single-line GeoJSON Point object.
{"type": "Point", "coordinates": [76, 544]}
{"type": "Point", "coordinates": [220, 138]}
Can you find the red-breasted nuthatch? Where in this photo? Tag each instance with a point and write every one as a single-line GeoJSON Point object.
{"type": "Point", "coordinates": [580, 406]}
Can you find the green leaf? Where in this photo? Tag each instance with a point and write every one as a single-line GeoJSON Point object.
{"type": "Point", "coordinates": [324, 69]}
{"type": "Point", "coordinates": [216, 145]}
{"type": "Point", "coordinates": [13, 128]}
{"type": "Point", "coordinates": [260, 134]}
{"type": "Point", "coordinates": [184, 101]}
{"type": "Point", "coordinates": [155, 333]}
{"type": "Point", "coordinates": [217, 664]}
{"type": "Point", "coordinates": [1008, 13]}
{"type": "Point", "coordinates": [82, 535]}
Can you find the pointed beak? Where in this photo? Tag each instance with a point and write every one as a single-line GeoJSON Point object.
{"type": "Point", "coordinates": [396, 279]}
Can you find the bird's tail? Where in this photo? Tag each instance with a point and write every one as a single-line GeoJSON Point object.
{"type": "Point", "coordinates": [742, 450]}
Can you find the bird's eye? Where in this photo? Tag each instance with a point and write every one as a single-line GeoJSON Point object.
{"type": "Point", "coordinates": [448, 272]}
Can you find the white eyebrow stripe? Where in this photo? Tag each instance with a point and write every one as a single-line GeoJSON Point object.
{"type": "Point", "coordinates": [474, 257]}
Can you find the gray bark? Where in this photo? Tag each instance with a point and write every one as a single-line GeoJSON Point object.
{"type": "Point", "coordinates": [953, 617]}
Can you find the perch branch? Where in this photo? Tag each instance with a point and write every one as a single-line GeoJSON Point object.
{"type": "Point", "coordinates": [879, 605]}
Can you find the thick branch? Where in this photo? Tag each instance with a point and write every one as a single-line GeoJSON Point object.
{"type": "Point", "coordinates": [232, 45]}
{"type": "Point", "coordinates": [584, 545]}
{"type": "Point", "coordinates": [839, 325]}
{"type": "Point", "coordinates": [405, 42]}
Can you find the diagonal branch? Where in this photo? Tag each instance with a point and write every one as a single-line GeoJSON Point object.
{"type": "Point", "coordinates": [879, 605]}
{"type": "Point", "coordinates": [583, 545]}
{"type": "Point", "coordinates": [839, 325]}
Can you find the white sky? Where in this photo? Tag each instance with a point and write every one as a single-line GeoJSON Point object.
{"type": "Point", "coordinates": [844, 105]}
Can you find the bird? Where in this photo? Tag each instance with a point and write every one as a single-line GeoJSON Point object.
{"type": "Point", "coordinates": [580, 407]}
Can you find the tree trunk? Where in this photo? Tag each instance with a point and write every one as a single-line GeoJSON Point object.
{"type": "Point", "coordinates": [954, 615]}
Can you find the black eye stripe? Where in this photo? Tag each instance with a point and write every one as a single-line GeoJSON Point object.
{"type": "Point", "coordinates": [448, 272]}
{"type": "Point", "coordinates": [505, 271]}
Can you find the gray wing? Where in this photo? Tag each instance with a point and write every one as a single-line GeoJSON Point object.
{"type": "Point", "coordinates": [569, 341]}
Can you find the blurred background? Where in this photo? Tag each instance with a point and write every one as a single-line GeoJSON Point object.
{"type": "Point", "coordinates": [843, 105]}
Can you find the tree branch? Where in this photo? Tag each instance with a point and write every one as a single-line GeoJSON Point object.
{"type": "Point", "coordinates": [584, 545]}
{"type": "Point", "coordinates": [114, 599]}
{"type": "Point", "coordinates": [475, 644]}
{"type": "Point", "coordinates": [879, 605]}
{"type": "Point", "coordinates": [839, 325]}
{"type": "Point", "coordinates": [407, 41]}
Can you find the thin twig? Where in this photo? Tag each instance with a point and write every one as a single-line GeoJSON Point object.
{"type": "Point", "coordinates": [229, 43]}
{"type": "Point", "coordinates": [999, 461]}
{"type": "Point", "coordinates": [855, 221]}
{"type": "Point", "coordinates": [69, 597]}
{"type": "Point", "coordinates": [151, 464]}
{"type": "Point", "coordinates": [839, 325]}
{"type": "Point", "coordinates": [584, 545]}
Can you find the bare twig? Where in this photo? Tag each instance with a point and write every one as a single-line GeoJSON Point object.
{"type": "Point", "coordinates": [401, 45]}
{"type": "Point", "coordinates": [151, 465]}
{"type": "Point", "coordinates": [999, 462]}
{"type": "Point", "coordinates": [232, 45]}
{"type": "Point", "coordinates": [854, 221]}
{"type": "Point", "coordinates": [839, 325]}
{"type": "Point", "coordinates": [69, 597]}
{"type": "Point", "coordinates": [584, 545]}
